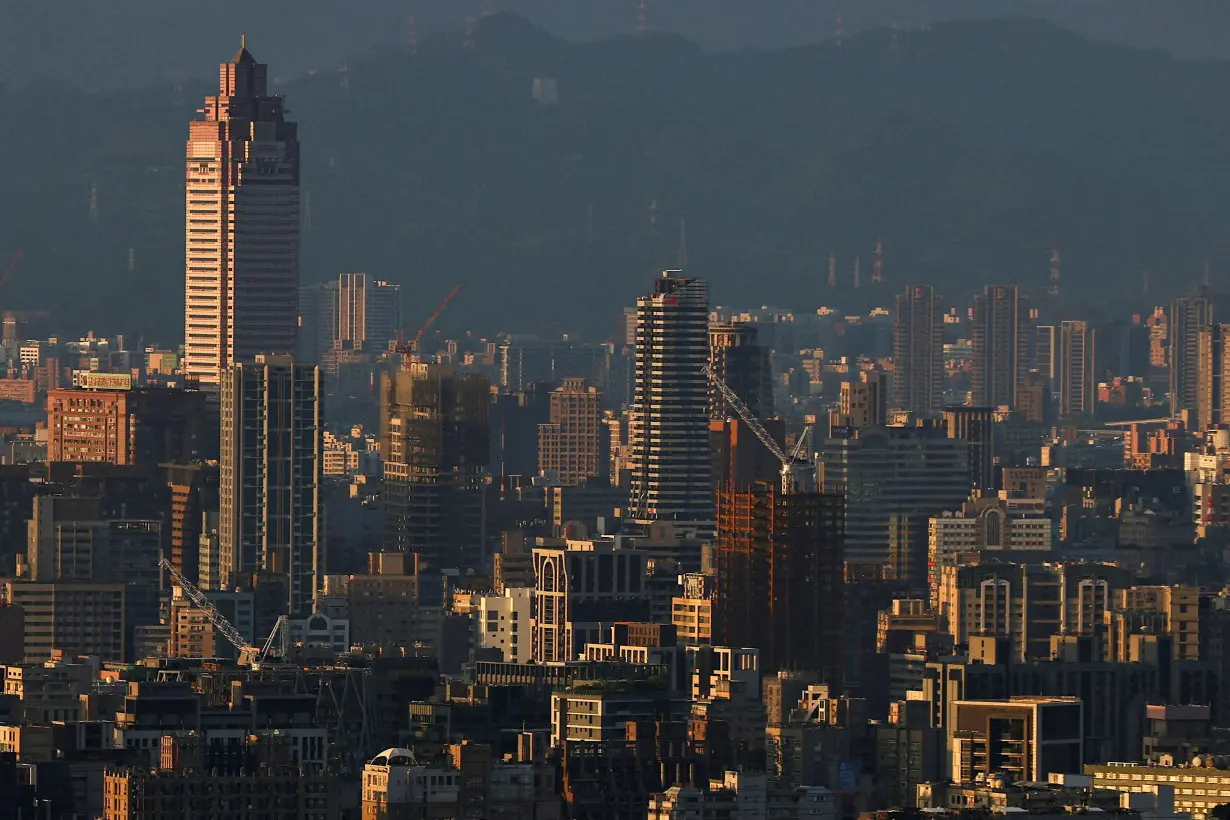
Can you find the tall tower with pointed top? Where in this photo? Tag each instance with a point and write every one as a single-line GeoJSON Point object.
{"type": "Point", "coordinates": [241, 224]}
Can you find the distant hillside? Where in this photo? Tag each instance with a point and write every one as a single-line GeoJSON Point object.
{"type": "Point", "coordinates": [130, 43]}
{"type": "Point", "coordinates": [972, 149]}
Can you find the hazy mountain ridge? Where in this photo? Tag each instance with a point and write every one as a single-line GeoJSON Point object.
{"type": "Point", "coordinates": [972, 149]}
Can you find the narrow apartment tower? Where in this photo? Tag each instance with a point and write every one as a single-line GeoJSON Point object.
{"type": "Point", "coordinates": [270, 474]}
{"type": "Point", "coordinates": [1003, 340]}
{"type": "Point", "coordinates": [671, 461]}
{"type": "Point", "coordinates": [241, 225]}
{"type": "Point", "coordinates": [918, 350]}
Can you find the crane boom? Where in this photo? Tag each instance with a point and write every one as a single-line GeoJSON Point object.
{"type": "Point", "coordinates": [732, 398]}
{"type": "Point", "coordinates": [245, 649]}
{"type": "Point", "coordinates": [797, 473]}
{"type": "Point", "coordinates": [435, 314]}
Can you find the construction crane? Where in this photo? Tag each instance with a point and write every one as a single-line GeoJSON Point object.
{"type": "Point", "coordinates": [248, 654]}
{"type": "Point", "coordinates": [798, 473]}
{"type": "Point", "coordinates": [409, 349]}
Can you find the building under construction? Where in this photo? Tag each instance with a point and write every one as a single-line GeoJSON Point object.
{"type": "Point", "coordinates": [779, 559]}
{"type": "Point", "coordinates": [434, 440]}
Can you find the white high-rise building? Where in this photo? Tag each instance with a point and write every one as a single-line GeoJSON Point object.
{"type": "Point", "coordinates": [241, 225]}
{"type": "Point", "coordinates": [270, 474]}
{"type": "Point", "coordinates": [669, 421]}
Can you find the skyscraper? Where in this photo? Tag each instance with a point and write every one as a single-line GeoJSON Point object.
{"type": "Point", "coordinates": [1078, 380]}
{"type": "Point", "coordinates": [270, 473]}
{"type": "Point", "coordinates": [368, 313]}
{"type": "Point", "coordinates": [1003, 345]}
{"type": "Point", "coordinates": [918, 350]}
{"type": "Point", "coordinates": [671, 460]}
{"type": "Point", "coordinates": [1046, 351]}
{"type": "Point", "coordinates": [737, 358]}
{"type": "Point", "coordinates": [1188, 315]}
{"type": "Point", "coordinates": [434, 441]}
{"type": "Point", "coordinates": [241, 225]}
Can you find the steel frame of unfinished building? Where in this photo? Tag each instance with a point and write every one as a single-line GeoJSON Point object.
{"type": "Point", "coordinates": [779, 560]}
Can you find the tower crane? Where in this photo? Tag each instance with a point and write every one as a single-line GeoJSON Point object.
{"type": "Point", "coordinates": [248, 654]}
{"type": "Point", "coordinates": [798, 473]}
{"type": "Point", "coordinates": [408, 349]}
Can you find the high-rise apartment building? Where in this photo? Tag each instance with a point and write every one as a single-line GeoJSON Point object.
{"type": "Point", "coordinates": [270, 474]}
{"type": "Point", "coordinates": [918, 350]}
{"type": "Point", "coordinates": [1078, 378]}
{"type": "Point", "coordinates": [1213, 369]}
{"type": "Point", "coordinates": [242, 225]}
{"type": "Point", "coordinates": [1188, 316]}
{"type": "Point", "coordinates": [671, 461]}
{"type": "Point", "coordinates": [434, 440]}
{"type": "Point", "coordinates": [737, 358]}
{"type": "Point", "coordinates": [568, 445]}
{"type": "Point", "coordinates": [1003, 340]}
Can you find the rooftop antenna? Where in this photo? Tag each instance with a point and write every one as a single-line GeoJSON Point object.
{"type": "Point", "coordinates": [1144, 283]}
{"type": "Point", "coordinates": [1056, 264]}
{"type": "Point", "coordinates": [681, 260]}
{"type": "Point", "coordinates": [1205, 278]}
{"type": "Point", "coordinates": [832, 270]}
{"type": "Point", "coordinates": [877, 270]}
{"type": "Point", "coordinates": [858, 263]}
{"type": "Point", "coordinates": [654, 212]}
{"type": "Point", "coordinates": [412, 36]}
{"type": "Point", "coordinates": [642, 18]}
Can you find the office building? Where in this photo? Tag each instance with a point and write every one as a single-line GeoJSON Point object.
{"type": "Point", "coordinates": [988, 524]}
{"type": "Point", "coordinates": [918, 350]}
{"type": "Point", "coordinates": [894, 478]}
{"type": "Point", "coordinates": [1212, 382]}
{"type": "Point", "coordinates": [71, 618]}
{"type": "Point", "coordinates": [1003, 339]}
{"type": "Point", "coordinates": [434, 440]}
{"type": "Point", "coordinates": [353, 312]}
{"type": "Point", "coordinates": [737, 358]}
{"type": "Point", "coordinates": [779, 586]}
{"type": "Point", "coordinates": [270, 474]}
{"type": "Point", "coordinates": [976, 427]}
{"type": "Point", "coordinates": [1025, 738]}
{"type": "Point", "coordinates": [569, 444]}
{"type": "Point", "coordinates": [1188, 316]}
{"type": "Point", "coordinates": [368, 313]}
{"type": "Point", "coordinates": [1078, 375]}
{"type": "Point", "coordinates": [670, 409]}
{"type": "Point", "coordinates": [242, 225]}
